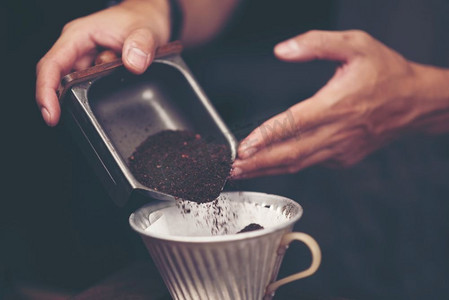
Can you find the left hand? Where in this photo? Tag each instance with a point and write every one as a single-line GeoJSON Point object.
{"type": "Point", "coordinates": [374, 96]}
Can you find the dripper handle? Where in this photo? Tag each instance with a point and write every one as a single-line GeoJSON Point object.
{"type": "Point", "coordinates": [316, 260]}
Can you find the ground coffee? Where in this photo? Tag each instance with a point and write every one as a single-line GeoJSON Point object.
{"type": "Point", "coordinates": [182, 164]}
{"type": "Point", "coordinates": [251, 227]}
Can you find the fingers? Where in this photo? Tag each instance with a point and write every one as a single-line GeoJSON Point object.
{"type": "Point", "coordinates": [327, 45]}
{"type": "Point", "coordinates": [311, 160]}
{"type": "Point", "coordinates": [286, 153]}
{"type": "Point", "coordinates": [291, 123]}
{"type": "Point", "coordinates": [56, 63]}
{"type": "Point", "coordinates": [138, 50]}
{"type": "Point", "coordinates": [85, 61]}
{"type": "Point", "coordinates": [76, 52]}
{"type": "Point", "coordinates": [105, 56]}
{"type": "Point", "coordinates": [280, 154]}
{"type": "Point", "coordinates": [47, 82]}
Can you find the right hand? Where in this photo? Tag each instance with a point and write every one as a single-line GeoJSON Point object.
{"type": "Point", "coordinates": [133, 28]}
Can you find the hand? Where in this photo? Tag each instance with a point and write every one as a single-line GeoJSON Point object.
{"type": "Point", "coordinates": [374, 96]}
{"type": "Point", "coordinates": [134, 28]}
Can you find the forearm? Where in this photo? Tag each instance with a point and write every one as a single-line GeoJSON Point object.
{"type": "Point", "coordinates": [201, 21]}
{"type": "Point", "coordinates": [431, 99]}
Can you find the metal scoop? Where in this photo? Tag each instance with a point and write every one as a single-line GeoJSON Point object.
{"type": "Point", "coordinates": [110, 112]}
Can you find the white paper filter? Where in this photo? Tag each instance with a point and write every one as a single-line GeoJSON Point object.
{"type": "Point", "coordinates": [218, 218]}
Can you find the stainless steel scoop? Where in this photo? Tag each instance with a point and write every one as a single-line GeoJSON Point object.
{"type": "Point", "coordinates": [111, 111]}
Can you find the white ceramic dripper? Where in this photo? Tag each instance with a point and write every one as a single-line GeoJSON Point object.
{"type": "Point", "coordinates": [200, 255]}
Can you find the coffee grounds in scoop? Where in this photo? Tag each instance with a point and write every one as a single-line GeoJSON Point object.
{"type": "Point", "coordinates": [182, 164]}
{"type": "Point", "coordinates": [251, 227]}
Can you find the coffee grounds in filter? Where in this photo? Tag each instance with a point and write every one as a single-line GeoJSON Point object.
{"type": "Point", "coordinates": [251, 227]}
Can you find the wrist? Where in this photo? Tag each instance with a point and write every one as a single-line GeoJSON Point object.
{"type": "Point", "coordinates": [431, 99]}
{"type": "Point", "coordinates": [154, 14]}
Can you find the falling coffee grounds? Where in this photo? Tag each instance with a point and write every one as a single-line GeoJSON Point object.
{"type": "Point", "coordinates": [182, 164]}
{"type": "Point", "coordinates": [251, 227]}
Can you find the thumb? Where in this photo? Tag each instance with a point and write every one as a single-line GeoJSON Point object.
{"type": "Point", "coordinates": [138, 50]}
{"type": "Point", "coordinates": [326, 45]}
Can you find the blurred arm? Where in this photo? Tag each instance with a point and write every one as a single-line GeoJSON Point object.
{"type": "Point", "coordinates": [203, 19]}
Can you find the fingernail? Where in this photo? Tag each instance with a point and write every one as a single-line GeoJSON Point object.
{"type": "Point", "coordinates": [288, 48]}
{"type": "Point", "coordinates": [247, 152]}
{"type": "Point", "coordinates": [236, 172]}
{"type": "Point", "coordinates": [137, 58]}
{"type": "Point", "coordinates": [46, 115]}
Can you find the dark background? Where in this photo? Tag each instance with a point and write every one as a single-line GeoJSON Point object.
{"type": "Point", "coordinates": [382, 224]}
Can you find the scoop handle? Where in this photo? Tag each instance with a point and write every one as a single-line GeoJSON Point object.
{"type": "Point", "coordinates": [71, 79]}
{"type": "Point", "coordinates": [316, 260]}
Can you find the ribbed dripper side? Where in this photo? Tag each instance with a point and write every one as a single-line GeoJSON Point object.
{"type": "Point", "coordinates": [228, 270]}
